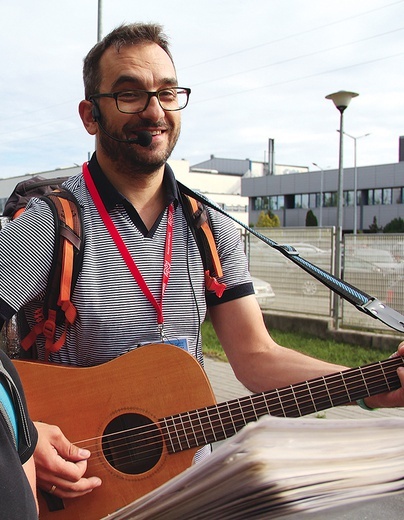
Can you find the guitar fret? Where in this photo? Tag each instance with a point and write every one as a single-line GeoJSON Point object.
{"type": "Point", "coordinates": [384, 375]}
{"type": "Point", "coordinates": [311, 396]}
{"type": "Point", "coordinates": [283, 414]}
{"type": "Point", "coordinates": [328, 393]}
{"type": "Point", "coordinates": [210, 424]}
{"type": "Point", "coordinates": [265, 401]}
{"type": "Point", "coordinates": [201, 430]}
{"type": "Point", "coordinates": [364, 380]}
{"type": "Point", "coordinates": [170, 444]}
{"type": "Point", "coordinates": [254, 408]}
{"type": "Point", "coordinates": [292, 408]}
{"type": "Point", "coordinates": [296, 401]}
{"type": "Point", "coordinates": [184, 427]}
{"type": "Point", "coordinates": [218, 422]}
{"type": "Point", "coordinates": [234, 429]}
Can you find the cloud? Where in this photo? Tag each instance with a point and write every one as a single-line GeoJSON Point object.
{"type": "Point", "coordinates": [257, 70]}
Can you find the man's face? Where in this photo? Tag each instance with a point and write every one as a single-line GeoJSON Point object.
{"type": "Point", "coordinates": [145, 67]}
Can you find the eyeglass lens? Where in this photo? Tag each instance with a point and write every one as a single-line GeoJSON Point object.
{"type": "Point", "coordinates": [133, 101]}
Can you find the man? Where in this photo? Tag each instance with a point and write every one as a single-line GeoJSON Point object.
{"type": "Point", "coordinates": [131, 208]}
{"type": "Point", "coordinates": [18, 438]}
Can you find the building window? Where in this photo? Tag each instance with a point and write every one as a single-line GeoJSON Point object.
{"type": "Point", "coordinates": [313, 200]}
{"type": "Point", "coordinates": [398, 195]}
{"type": "Point", "coordinates": [260, 203]}
{"type": "Point", "coordinates": [384, 196]}
{"type": "Point", "coordinates": [348, 198]}
{"type": "Point", "coordinates": [387, 196]}
{"type": "Point", "coordinates": [375, 197]}
{"type": "Point", "coordinates": [330, 199]}
{"type": "Point", "coordinates": [273, 203]}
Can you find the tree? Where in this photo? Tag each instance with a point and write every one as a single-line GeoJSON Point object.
{"type": "Point", "coordinates": [268, 219]}
{"type": "Point", "coordinates": [395, 226]}
{"type": "Point", "coordinates": [374, 228]}
{"type": "Point", "coordinates": [311, 219]}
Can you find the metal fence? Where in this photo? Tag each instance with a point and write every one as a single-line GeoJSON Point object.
{"type": "Point", "coordinates": [372, 262]}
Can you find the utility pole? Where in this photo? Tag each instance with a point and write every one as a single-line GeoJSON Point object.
{"type": "Point", "coordinates": [99, 23]}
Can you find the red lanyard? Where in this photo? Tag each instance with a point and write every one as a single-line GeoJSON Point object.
{"type": "Point", "coordinates": [125, 252]}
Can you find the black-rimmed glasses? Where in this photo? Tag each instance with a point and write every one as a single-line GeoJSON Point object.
{"type": "Point", "coordinates": [135, 101]}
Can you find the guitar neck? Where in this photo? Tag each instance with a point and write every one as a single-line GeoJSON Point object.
{"type": "Point", "coordinates": [218, 422]}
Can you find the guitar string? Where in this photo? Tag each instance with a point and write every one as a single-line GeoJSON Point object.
{"type": "Point", "coordinates": [195, 418]}
{"type": "Point", "coordinates": [259, 397]}
{"type": "Point", "coordinates": [141, 456]}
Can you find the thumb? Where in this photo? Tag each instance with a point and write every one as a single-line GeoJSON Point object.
{"type": "Point", "coordinates": [60, 443]}
{"type": "Point", "coordinates": [74, 453]}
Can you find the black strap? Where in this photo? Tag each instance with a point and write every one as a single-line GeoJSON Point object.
{"type": "Point", "coordinates": [361, 300]}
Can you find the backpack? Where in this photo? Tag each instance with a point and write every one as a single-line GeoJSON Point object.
{"type": "Point", "coordinates": [57, 308]}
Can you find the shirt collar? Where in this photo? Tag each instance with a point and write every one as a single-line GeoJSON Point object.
{"type": "Point", "coordinates": [111, 196]}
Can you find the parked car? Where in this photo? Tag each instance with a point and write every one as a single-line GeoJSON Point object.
{"type": "Point", "coordinates": [371, 270]}
{"type": "Point", "coordinates": [263, 292]}
{"type": "Point", "coordinates": [381, 258]}
{"type": "Point", "coordinates": [366, 276]}
{"type": "Point", "coordinates": [282, 273]}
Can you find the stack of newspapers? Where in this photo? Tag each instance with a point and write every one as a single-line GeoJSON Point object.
{"type": "Point", "coordinates": [278, 467]}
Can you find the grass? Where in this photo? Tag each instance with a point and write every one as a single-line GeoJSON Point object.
{"type": "Point", "coordinates": [327, 350]}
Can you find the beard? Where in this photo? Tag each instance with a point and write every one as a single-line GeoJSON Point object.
{"type": "Point", "coordinates": [133, 158]}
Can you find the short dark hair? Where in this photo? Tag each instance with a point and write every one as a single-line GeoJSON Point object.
{"type": "Point", "coordinates": [131, 34]}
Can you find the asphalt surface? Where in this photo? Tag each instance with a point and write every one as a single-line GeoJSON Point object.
{"type": "Point", "coordinates": [226, 387]}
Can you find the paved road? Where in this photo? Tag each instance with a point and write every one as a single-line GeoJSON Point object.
{"type": "Point", "coordinates": [226, 387]}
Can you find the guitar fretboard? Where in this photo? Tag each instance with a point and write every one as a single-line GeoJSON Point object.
{"type": "Point", "coordinates": [218, 422]}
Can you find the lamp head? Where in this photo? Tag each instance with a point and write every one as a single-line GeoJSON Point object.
{"type": "Point", "coordinates": [341, 99]}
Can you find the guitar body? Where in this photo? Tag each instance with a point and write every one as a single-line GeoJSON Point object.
{"type": "Point", "coordinates": [88, 404]}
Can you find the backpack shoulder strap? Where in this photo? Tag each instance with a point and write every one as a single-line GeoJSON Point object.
{"type": "Point", "coordinates": [200, 225]}
{"type": "Point", "coordinates": [66, 265]}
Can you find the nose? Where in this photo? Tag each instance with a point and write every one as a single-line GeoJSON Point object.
{"type": "Point", "coordinates": [153, 109]}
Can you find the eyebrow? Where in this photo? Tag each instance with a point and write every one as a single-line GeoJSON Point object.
{"type": "Point", "coordinates": [133, 79]}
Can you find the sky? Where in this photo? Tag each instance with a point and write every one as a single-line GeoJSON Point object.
{"type": "Point", "coordinates": [258, 69]}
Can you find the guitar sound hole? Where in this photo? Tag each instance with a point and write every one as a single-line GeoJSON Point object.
{"type": "Point", "coordinates": [132, 443]}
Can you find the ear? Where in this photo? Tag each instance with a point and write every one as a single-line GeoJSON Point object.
{"type": "Point", "coordinates": [86, 114]}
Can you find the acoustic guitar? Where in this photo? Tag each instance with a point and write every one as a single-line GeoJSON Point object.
{"type": "Point", "coordinates": [144, 415]}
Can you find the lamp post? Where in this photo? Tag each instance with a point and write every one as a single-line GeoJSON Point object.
{"type": "Point", "coordinates": [321, 192]}
{"type": "Point", "coordinates": [99, 21]}
{"type": "Point", "coordinates": [341, 100]}
{"type": "Point", "coordinates": [355, 223]}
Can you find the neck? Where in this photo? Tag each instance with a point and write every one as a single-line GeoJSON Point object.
{"type": "Point", "coordinates": [145, 191]}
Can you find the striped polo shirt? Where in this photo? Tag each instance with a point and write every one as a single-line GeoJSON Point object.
{"type": "Point", "coordinates": [114, 316]}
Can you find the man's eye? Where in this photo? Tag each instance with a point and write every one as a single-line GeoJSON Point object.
{"type": "Point", "coordinates": [130, 96]}
{"type": "Point", "coordinates": [167, 94]}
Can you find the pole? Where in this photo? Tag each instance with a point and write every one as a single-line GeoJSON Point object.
{"type": "Point", "coordinates": [321, 192]}
{"type": "Point", "coordinates": [341, 100]}
{"type": "Point", "coordinates": [355, 192]}
{"type": "Point", "coordinates": [355, 220]}
{"type": "Point", "coordinates": [340, 205]}
{"type": "Point", "coordinates": [99, 22]}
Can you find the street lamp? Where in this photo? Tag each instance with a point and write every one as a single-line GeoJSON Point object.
{"type": "Point", "coordinates": [321, 192]}
{"type": "Point", "coordinates": [355, 224]}
{"type": "Point", "coordinates": [341, 100]}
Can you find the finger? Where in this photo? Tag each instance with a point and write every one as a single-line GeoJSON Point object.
{"type": "Point", "coordinates": [400, 373]}
{"type": "Point", "coordinates": [64, 489]}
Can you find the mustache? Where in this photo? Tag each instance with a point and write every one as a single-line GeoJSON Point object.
{"type": "Point", "coordinates": [146, 123]}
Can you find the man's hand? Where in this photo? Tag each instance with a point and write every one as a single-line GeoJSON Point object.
{"type": "Point", "coordinates": [60, 465]}
{"type": "Point", "coordinates": [396, 397]}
